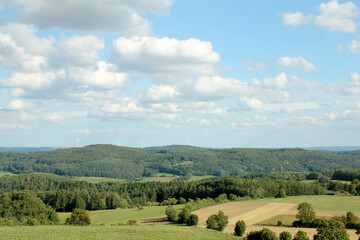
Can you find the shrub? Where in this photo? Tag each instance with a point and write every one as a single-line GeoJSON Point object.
{"type": "Point", "coordinates": [285, 236]}
{"type": "Point", "coordinates": [217, 221]}
{"type": "Point", "coordinates": [78, 217]}
{"type": "Point", "coordinates": [264, 234]}
{"type": "Point", "coordinates": [301, 235]}
{"type": "Point", "coordinates": [240, 228]}
{"type": "Point", "coordinates": [193, 220]}
{"type": "Point", "coordinates": [172, 214]}
{"type": "Point", "coordinates": [331, 229]}
{"type": "Point", "coordinates": [184, 215]}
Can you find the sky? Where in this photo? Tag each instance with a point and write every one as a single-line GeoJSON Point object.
{"type": "Point", "coordinates": [220, 74]}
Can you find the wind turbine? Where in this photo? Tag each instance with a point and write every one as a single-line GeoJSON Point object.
{"type": "Point", "coordinates": [77, 142]}
{"type": "Point", "coordinates": [119, 142]}
{"type": "Point", "coordinates": [142, 143]}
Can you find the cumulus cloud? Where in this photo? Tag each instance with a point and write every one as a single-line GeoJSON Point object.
{"type": "Point", "coordinates": [294, 19]}
{"type": "Point", "coordinates": [159, 93]}
{"type": "Point", "coordinates": [79, 51]}
{"type": "Point", "coordinates": [118, 16]}
{"type": "Point", "coordinates": [53, 117]}
{"type": "Point", "coordinates": [21, 49]}
{"type": "Point", "coordinates": [278, 96]}
{"type": "Point", "coordinates": [334, 16]}
{"type": "Point", "coordinates": [298, 63]}
{"type": "Point", "coordinates": [246, 103]}
{"type": "Point", "coordinates": [353, 86]}
{"type": "Point", "coordinates": [217, 87]}
{"type": "Point", "coordinates": [354, 46]}
{"type": "Point", "coordinates": [19, 105]}
{"type": "Point", "coordinates": [164, 59]}
{"type": "Point", "coordinates": [279, 82]}
{"type": "Point", "coordinates": [252, 66]}
{"type": "Point", "coordinates": [30, 81]}
{"type": "Point", "coordinates": [103, 77]}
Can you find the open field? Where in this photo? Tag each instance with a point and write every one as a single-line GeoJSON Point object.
{"type": "Point", "coordinates": [269, 211]}
{"type": "Point", "coordinates": [116, 216]}
{"type": "Point", "coordinates": [159, 232]}
{"type": "Point", "coordinates": [196, 178]}
{"type": "Point", "coordinates": [98, 179]}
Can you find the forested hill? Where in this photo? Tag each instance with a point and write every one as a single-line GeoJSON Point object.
{"type": "Point", "coordinates": [132, 163]}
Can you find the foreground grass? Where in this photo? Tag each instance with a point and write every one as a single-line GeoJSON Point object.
{"type": "Point", "coordinates": [114, 232]}
{"type": "Point", "coordinates": [108, 217]}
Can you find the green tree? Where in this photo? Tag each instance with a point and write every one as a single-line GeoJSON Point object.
{"type": "Point", "coordinates": [264, 234]}
{"type": "Point", "coordinates": [172, 214]}
{"type": "Point", "coordinates": [184, 215]}
{"type": "Point", "coordinates": [240, 228]}
{"type": "Point", "coordinates": [193, 220]}
{"type": "Point", "coordinates": [285, 236]}
{"type": "Point", "coordinates": [306, 214]}
{"type": "Point", "coordinates": [331, 230]}
{"type": "Point", "coordinates": [78, 217]}
{"type": "Point", "coordinates": [301, 235]}
{"type": "Point", "coordinates": [217, 221]}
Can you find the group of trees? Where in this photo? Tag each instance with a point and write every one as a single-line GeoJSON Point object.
{"type": "Point", "coordinates": [65, 194]}
{"type": "Point", "coordinates": [132, 163]}
{"type": "Point", "coordinates": [182, 217]}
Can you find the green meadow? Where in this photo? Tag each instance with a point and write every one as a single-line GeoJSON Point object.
{"type": "Point", "coordinates": [144, 232]}
{"type": "Point", "coordinates": [116, 216]}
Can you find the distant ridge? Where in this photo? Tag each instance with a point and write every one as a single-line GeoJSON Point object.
{"type": "Point", "coordinates": [334, 148]}
{"type": "Point", "coordinates": [27, 149]}
{"type": "Point", "coordinates": [174, 147]}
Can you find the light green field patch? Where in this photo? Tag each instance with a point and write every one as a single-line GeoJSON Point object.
{"type": "Point", "coordinates": [323, 203]}
{"type": "Point", "coordinates": [196, 178]}
{"type": "Point", "coordinates": [116, 216]}
{"type": "Point", "coordinates": [145, 232]}
{"type": "Point", "coordinates": [4, 174]}
{"type": "Point", "coordinates": [98, 179]}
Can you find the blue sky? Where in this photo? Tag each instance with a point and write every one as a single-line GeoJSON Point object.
{"type": "Point", "coordinates": [159, 72]}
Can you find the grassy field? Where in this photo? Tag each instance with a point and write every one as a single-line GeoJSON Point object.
{"type": "Point", "coordinates": [116, 216]}
{"type": "Point", "coordinates": [322, 203]}
{"type": "Point", "coordinates": [145, 232]}
{"type": "Point", "coordinates": [98, 179]}
{"type": "Point", "coordinates": [196, 178]}
{"type": "Point", "coordinates": [3, 174]}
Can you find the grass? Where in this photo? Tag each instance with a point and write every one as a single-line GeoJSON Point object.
{"type": "Point", "coordinates": [98, 179]}
{"type": "Point", "coordinates": [144, 232]}
{"type": "Point", "coordinates": [115, 216]}
{"type": "Point", "coordinates": [196, 178]}
{"type": "Point", "coordinates": [323, 203]}
{"type": "Point", "coordinates": [3, 174]}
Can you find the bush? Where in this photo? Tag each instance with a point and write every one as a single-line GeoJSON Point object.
{"type": "Point", "coordinates": [217, 221]}
{"type": "Point", "coordinates": [264, 234]}
{"type": "Point", "coordinates": [301, 235]}
{"type": "Point", "coordinates": [331, 229]}
{"type": "Point", "coordinates": [285, 236]}
{"type": "Point", "coordinates": [78, 217]}
{"type": "Point", "coordinates": [240, 228]}
{"type": "Point", "coordinates": [193, 220]}
{"type": "Point", "coordinates": [184, 215]}
{"type": "Point", "coordinates": [172, 214]}
{"type": "Point", "coordinates": [279, 223]}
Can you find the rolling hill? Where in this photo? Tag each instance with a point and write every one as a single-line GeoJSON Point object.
{"type": "Point", "coordinates": [133, 163]}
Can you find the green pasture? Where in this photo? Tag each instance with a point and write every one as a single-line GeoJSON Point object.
{"type": "Point", "coordinates": [116, 216]}
{"type": "Point", "coordinates": [97, 179]}
{"type": "Point", "coordinates": [196, 178]}
{"type": "Point", "coordinates": [323, 203]}
{"type": "Point", "coordinates": [143, 232]}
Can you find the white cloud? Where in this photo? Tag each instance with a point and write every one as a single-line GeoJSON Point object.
{"type": "Point", "coordinates": [19, 105]}
{"type": "Point", "coordinates": [118, 16]}
{"type": "Point", "coordinates": [160, 93]}
{"type": "Point", "coordinates": [246, 103]}
{"type": "Point", "coordinates": [294, 19]}
{"type": "Point", "coordinates": [83, 131]}
{"type": "Point", "coordinates": [165, 59]}
{"type": "Point", "coordinates": [15, 126]}
{"type": "Point", "coordinates": [334, 16]}
{"type": "Point", "coordinates": [217, 87]}
{"type": "Point", "coordinates": [53, 117]}
{"type": "Point", "coordinates": [298, 63]}
{"type": "Point", "coordinates": [354, 46]}
{"type": "Point", "coordinates": [278, 96]}
{"type": "Point", "coordinates": [253, 66]}
{"type": "Point", "coordinates": [279, 82]}
{"type": "Point", "coordinates": [104, 77]}
{"type": "Point", "coordinates": [31, 81]}
{"type": "Point", "coordinates": [306, 84]}
{"type": "Point", "coordinates": [353, 86]}
{"type": "Point", "coordinates": [126, 106]}
{"type": "Point", "coordinates": [78, 51]}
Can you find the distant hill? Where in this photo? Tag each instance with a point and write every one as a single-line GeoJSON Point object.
{"type": "Point", "coordinates": [334, 148]}
{"type": "Point", "coordinates": [134, 163]}
{"type": "Point", "coordinates": [174, 147]}
{"type": "Point", "coordinates": [27, 149]}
